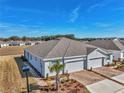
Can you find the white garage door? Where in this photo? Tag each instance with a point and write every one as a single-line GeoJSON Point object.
{"type": "Point", "coordinates": [74, 66]}
{"type": "Point", "coordinates": [94, 63]}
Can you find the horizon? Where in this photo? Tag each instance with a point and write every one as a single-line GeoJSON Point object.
{"type": "Point", "coordinates": [83, 18]}
{"type": "Point", "coordinates": [56, 35]}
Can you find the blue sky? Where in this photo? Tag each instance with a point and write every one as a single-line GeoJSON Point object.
{"type": "Point", "coordinates": [84, 18]}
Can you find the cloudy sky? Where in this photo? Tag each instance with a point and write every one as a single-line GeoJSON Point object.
{"type": "Point", "coordinates": [84, 18]}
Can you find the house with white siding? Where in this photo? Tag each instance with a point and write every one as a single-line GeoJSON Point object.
{"type": "Point", "coordinates": [30, 43]}
{"type": "Point", "coordinates": [114, 46]}
{"type": "Point", "coordinates": [16, 43]}
{"type": "Point", "coordinates": [75, 55]}
{"type": "Point", "coordinates": [3, 44]}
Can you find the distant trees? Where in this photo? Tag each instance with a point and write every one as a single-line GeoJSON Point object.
{"type": "Point", "coordinates": [51, 37]}
{"type": "Point", "coordinates": [45, 38]}
{"type": "Point", "coordinates": [14, 38]}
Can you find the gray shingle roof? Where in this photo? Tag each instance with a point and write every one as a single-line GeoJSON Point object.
{"type": "Point", "coordinates": [106, 44]}
{"type": "Point", "coordinates": [122, 42]}
{"type": "Point", "coordinates": [60, 48]}
{"type": "Point", "coordinates": [119, 44]}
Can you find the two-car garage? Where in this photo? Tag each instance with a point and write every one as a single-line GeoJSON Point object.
{"type": "Point", "coordinates": [94, 59]}
{"type": "Point", "coordinates": [72, 66]}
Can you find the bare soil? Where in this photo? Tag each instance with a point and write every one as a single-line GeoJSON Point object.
{"type": "Point", "coordinates": [10, 78]}
{"type": "Point", "coordinates": [12, 50]}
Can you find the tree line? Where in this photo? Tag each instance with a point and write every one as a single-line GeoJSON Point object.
{"type": "Point", "coordinates": [51, 37]}
{"type": "Point", "coordinates": [43, 38]}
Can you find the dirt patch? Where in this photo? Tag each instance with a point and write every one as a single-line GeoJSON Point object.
{"type": "Point", "coordinates": [86, 77]}
{"type": "Point", "coordinates": [11, 80]}
{"type": "Point", "coordinates": [12, 50]}
{"type": "Point", "coordinates": [107, 71]}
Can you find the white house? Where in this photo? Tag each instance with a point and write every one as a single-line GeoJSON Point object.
{"type": "Point", "coordinates": [74, 54]}
{"type": "Point", "coordinates": [16, 43]}
{"type": "Point", "coordinates": [31, 43]}
{"type": "Point", "coordinates": [3, 44]}
{"type": "Point", "coordinates": [114, 46]}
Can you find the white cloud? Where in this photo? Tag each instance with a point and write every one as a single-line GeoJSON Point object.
{"type": "Point", "coordinates": [92, 7]}
{"type": "Point", "coordinates": [74, 14]}
{"type": "Point", "coordinates": [101, 4]}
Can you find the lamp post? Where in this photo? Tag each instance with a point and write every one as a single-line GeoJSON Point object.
{"type": "Point", "coordinates": [26, 70]}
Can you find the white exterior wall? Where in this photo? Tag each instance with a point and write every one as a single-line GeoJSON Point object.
{"type": "Point", "coordinates": [110, 61]}
{"type": "Point", "coordinates": [121, 56]}
{"type": "Point", "coordinates": [95, 54]}
{"type": "Point", "coordinates": [116, 55]}
{"type": "Point", "coordinates": [47, 71]}
{"type": "Point", "coordinates": [4, 45]}
{"type": "Point", "coordinates": [21, 44]}
{"type": "Point", "coordinates": [98, 58]}
{"type": "Point", "coordinates": [35, 62]}
{"type": "Point", "coordinates": [71, 65]}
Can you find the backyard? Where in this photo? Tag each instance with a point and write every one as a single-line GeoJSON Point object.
{"type": "Point", "coordinates": [12, 50]}
{"type": "Point", "coordinates": [11, 80]}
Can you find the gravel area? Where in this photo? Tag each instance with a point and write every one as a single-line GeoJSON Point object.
{"type": "Point", "coordinates": [110, 72]}
{"type": "Point", "coordinates": [86, 77]}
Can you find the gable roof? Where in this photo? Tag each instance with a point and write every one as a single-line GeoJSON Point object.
{"type": "Point", "coordinates": [60, 48]}
{"type": "Point", "coordinates": [122, 42]}
{"type": "Point", "coordinates": [105, 44]}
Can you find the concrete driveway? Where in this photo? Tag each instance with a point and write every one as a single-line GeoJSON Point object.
{"type": "Point", "coordinates": [105, 86]}
{"type": "Point", "coordinates": [98, 84]}
{"type": "Point", "coordinates": [86, 77]}
{"type": "Point", "coordinates": [107, 71]}
{"type": "Point", "coordinates": [119, 78]}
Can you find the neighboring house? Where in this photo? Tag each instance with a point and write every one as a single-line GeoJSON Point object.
{"type": "Point", "coordinates": [38, 42]}
{"type": "Point", "coordinates": [3, 44]}
{"type": "Point", "coordinates": [74, 54]}
{"type": "Point", "coordinates": [113, 46]}
{"type": "Point", "coordinates": [16, 43]}
{"type": "Point", "coordinates": [30, 43]}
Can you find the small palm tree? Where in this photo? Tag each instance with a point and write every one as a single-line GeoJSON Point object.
{"type": "Point", "coordinates": [57, 67]}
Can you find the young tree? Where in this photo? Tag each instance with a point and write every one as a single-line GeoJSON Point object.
{"type": "Point", "coordinates": [57, 67]}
